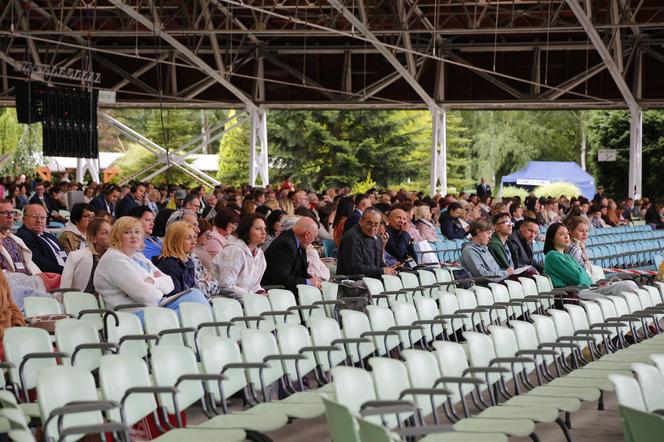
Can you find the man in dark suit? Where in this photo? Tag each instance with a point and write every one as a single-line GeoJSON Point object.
{"type": "Point", "coordinates": [47, 252]}
{"type": "Point", "coordinates": [133, 199]}
{"type": "Point", "coordinates": [106, 200]}
{"type": "Point", "coordinates": [362, 202]}
{"type": "Point", "coordinates": [483, 189]}
{"type": "Point", "coordinates": [287, 258]}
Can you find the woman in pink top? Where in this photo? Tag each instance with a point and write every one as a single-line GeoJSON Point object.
{"type": "Point", "coordinates": [225, 223]}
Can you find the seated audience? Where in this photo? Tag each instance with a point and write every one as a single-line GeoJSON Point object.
{"type": "Point", "coordinates": [190, 203]}
{"type": "Point", "coordinates": [175, 259]}
{"type": "Point", "coordinates": [241, 264]}
{"type": "Point", "coordinates": [326, 213]}
{"type": "Point", "coordinates": [578, 231]}
{"type": "Point", "coordinates": [362, 202]}
{"type": "Point", "coordinates": [475, 255]}
{"type": "Point", "coordinates": [204, 232]}
{"type": "Point", "coordinates": [205, 281]}
{"type": "Point", "coordinates": [151, 244]}
{"type": "Point", "coordinates": [47, 252]}
{"type": "Point", "coordinates": [73, 236]}
{"type": "Point", "coordinates": [522, 240]}
{"type": "Point", "coordinates": [399, 244]}
{"type": "Point", "coordinates": [125, 276]}
{"type": "Point", "coordinates": [106, 200]}
{"type": "Point", "coordinates": [423, 223]}
{"type": "Point", "coordinates": [225, 223]}
{"type": "Point", "coordinates": [286, 257]}
{"type": "Point", "coordinates": [133, 199]}
{"type": "Point", "coordinates": [499, 246]}
{"type": "Point", "coordinates": [81, 264]}
{"type": "Point", "coordinates": [361, 249]}
{"type": "Point", "coordinates": [345, 208]}
{"type": "Point", "coordinates": [274, 227]}
{"type": "Point", "coordinates": [450, 224]}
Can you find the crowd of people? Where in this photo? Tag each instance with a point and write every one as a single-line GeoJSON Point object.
{"type": "Point", "coordinates": [168, 244]}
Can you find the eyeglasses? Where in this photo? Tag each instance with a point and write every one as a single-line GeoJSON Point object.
{"type": "Point", "coordinates": [7, 213]}
{"type": "Point", "coordinates": [372, 225]}
{"type": "Point", "coordinates": [37, 217]}
{"type": "Point", "coordinates": [506, 223]}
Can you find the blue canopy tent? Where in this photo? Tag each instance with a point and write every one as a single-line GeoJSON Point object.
{"type": "Point", "coordinates": [537, 173]}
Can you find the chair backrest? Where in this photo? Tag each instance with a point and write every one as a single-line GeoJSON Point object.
{"type": "Point", "coordinates": [169, 362]}
{"type": "Point", "coordinates": [330, 293]}
{"type": "Point", "coordinates": [374, 285]}
{"type": "Point", "coordinates": [157, 319]}
{"type": "Point", "coordinates": [501, 294]}
{"type": "Point", "coordinates": [506, 346]}
{"type": "Point", "coordinates": [484, 296]}
{"type": "Point", "coordinates": [515, 289]}
{"type": "Point", "coordinates": [427, 309]}
{"type": "Point", "coordinates": [128, 324]}
{"type": "Point", "coordinates": [75, 302]}
{"type": "Point", "coordinates": [38, 305]}
{"type": "Point", "coordinates": [467, 300]}
{"type": "Point", "coordinates": [61, 385]}
{"type": "Point", "coordinates": [119, 373]}
{"type": "Point", "coordinates": [652, 385]}
{"type": "Point", "coordinates": [640, 426]}
{"type": "Point", "coordinates": [405, 314]}
{"type": "Point", "coordinates": [192, 315]}
{"type": "Point", "coordinates": [21, 341]}
{"type": "Point", "coordinates": [381, 319]}
{"type": "Point", "coordinates": [543, 283]}
{"type": "Point", "coordinates": [323, 332]}
{"type": "Point", "coordinates": [443, 275]}
{"type": "Point", "coordinates": [353, 387]}
{"type": "Point", "coordinates": [597, 273]}
{"type": "Point", "coordinates": [341, 423]}
{"type": "Point", "coordinates": [562, 322]}
{"type": "Point", "coordinates": [452, 361]}
{"type": "Point", "coordinates": [372, 432]}
{"type": "Point", "coordinates": [216, 353]}
{"type": "Point", "coordinates": [628, 391]}
{"type": "Point", "coordinates": [282, 300]}
{"type": "Point", "coordinates": [69, 334]}
{"type": "Point", "coordinates": [423, 373]}
{"type": "Point", "coordinates": [546, 331]}
{"type": "Point", "coordinates": [427, 277]}
{"type": "Point", "coordinates": [256, 305]}
{"type": "Point", "coordinates": [354, 324]}
{"type": "Point", "coordinates": [256, 345]}
{"type": "Point", "coordinates": [291, 338]}
{"type": "Point", "coordinates": [390, 379]}
{"type": "Point", "coordinates": [410, 281]}
{"type": "Point", "coordinates": [225, 309]}
{"type": "Point", "coordinates": [392, 282]}
{"type": "Point", "coordinates": [308, 295]}
{"type": "Point", "coordinates": [481, 352]}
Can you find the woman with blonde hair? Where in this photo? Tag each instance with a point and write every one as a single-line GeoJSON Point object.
{"type": "Point", "coordinates": [175, 259]}
{"type": "Point", "coordinates": [287, 206]}
{"type": "Point", "coordinates": [423, 223]}
{"type": "Point", "coordinates": [125, 276]}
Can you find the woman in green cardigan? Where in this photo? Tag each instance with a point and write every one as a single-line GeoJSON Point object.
{"type": "Point", "coordinates": [561, 268]}
{"type": "Point", "coordinates": [565, 270]}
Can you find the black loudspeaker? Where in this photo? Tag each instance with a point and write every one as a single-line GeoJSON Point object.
{"type": "Point", "coordinates": [29, 101]}
{"type": "Point", "coordinates": [69, 123]}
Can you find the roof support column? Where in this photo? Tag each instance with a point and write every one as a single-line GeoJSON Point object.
{"type": "Point", "coordinates": [89, 165]}
{"type": "Point", "coordinates": [635, 152]}
{"type": "Point", "coordinates": [258, 139]}
{"type": "Point", "coordinates": [438, 170]}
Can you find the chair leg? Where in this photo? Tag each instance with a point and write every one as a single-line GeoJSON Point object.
{"type": "Point", "coordinates": [561, 424]}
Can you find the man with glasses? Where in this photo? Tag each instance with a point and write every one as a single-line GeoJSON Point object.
{"type": "Point", "coordinates": [361, 248]}
{"type": "Point", "coordinates": [499, 248]}
{"type": "Point", "coordinates": [521, 241]}
{"type": "Point", "coordinates": [15, 256]}
{"type": "Point", "coordinates": [47, 252]}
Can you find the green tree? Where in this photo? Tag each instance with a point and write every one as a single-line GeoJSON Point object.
{"type": "Point", "coordinates": [610, 130]}
{"type": "Point", "coordinates": [234, 155]}
{"type": "Point", "coordinates": [10, 130]}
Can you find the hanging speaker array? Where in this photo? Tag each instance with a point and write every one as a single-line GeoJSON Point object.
{"type": "Point", "coordinates": [68, 117]}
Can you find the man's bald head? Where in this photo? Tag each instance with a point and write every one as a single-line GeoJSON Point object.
{"type": "Point", "coordinates": [397, 219]}
{"type": "Point", "coordinates": [306, 230]}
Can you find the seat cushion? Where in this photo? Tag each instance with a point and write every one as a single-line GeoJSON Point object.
{"type": "Point", "coordinates": [511, 427]}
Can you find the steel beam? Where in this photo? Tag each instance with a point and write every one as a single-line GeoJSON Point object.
{"type": "Point", "coordinates": [258, 159]}
{"type": "Point", "coordinates": [438, 168]}
{"type": "Point", "coordinates": [573, 82]}
{"type": "Point", "coordinates": [87, 165]}
{"type": "Point", "coordinates": [185, 51]}
{"type": "Point", "coordinates": [488, 77]}
{"type": "Point", "coordinates": [635, 152]}
{"type": "Point", "coordinates": [389, 56]}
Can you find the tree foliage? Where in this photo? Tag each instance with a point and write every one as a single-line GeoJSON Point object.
{"type": "Point", "coordinates": [234, 155]}
{"type": "Point", "coordinates": [610, 130]}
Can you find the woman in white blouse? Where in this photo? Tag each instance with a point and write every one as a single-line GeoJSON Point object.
{"type": "Point", "coordinates": [125, 276]}
{"type": "Point", "coordinates": [81, 264]}
{"type": "Point", "coordinates": [241, 264]}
